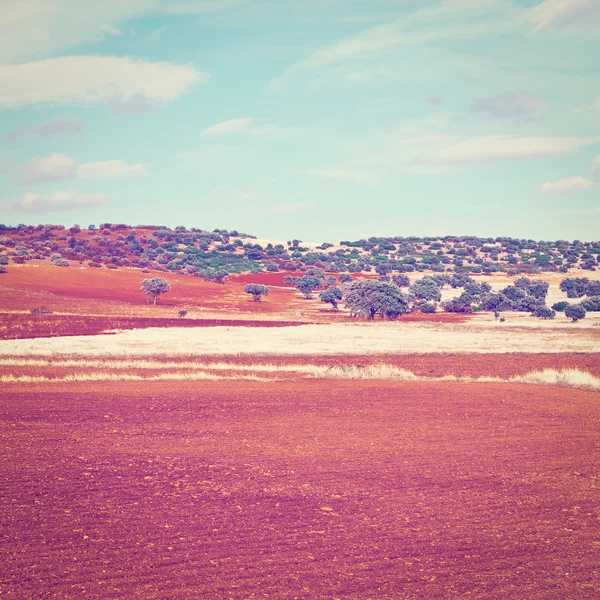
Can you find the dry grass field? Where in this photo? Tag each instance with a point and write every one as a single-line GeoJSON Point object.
{"type": "Point", "coordinates": [280, 450]}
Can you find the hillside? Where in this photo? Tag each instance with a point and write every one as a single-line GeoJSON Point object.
{"type": "Point", "coordinates": [214, 255]}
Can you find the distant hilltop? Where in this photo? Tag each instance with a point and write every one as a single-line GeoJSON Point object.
{"type": "Point", "coordinates": [215, 254]}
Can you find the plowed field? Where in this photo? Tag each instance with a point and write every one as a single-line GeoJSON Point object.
{"type": "Point", "coordinates": [324, 489]}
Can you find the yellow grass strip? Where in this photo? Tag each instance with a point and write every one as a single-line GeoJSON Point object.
{"type": "Point", "coordinates": [565, 377]}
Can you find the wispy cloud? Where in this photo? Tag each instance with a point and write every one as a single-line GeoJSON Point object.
{"type": "Point", "coordinates": [498, 148]}
{"type": "Point", "coordinates": [94, 80]}
{"type": "Point", "coordinates": [59, 167]}
{"type": "Point", "coordinates": [569, 184]}
{"type": "Point", "coordinates": [291, 208]}
{"type": "Point", "coordinates": [110, 30]}
{"type": "Point", "coordinates": [110, 169]}
{"type": "Point", "coordinates": [339, 174]}
{"type": "Point", "coordinates": [442, 21]}
{"type": "Point", "coordinates": [230, 126]}
{"type": "Point", "coordinates": [596, 164]}
{"type": "Point", "coordinates": [509, 104]}
{"type": "Point", "coordinates": [54, 201]}
{"type": "Point", "coordinates": [231, 192]}
{"type": "Point", "coordinates": [60, 125]}
{"type": "Point", "coordinates": [559, 14]}
{"type": "Point", "coordinates": [56, 167]}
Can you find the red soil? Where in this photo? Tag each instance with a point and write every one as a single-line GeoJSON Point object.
{"type": "Point", "coordinates": [104, 292]}
{"type": "Point", "coordinates": [19, 326]}
{"type": "Point", "coordinates": [333, 489]}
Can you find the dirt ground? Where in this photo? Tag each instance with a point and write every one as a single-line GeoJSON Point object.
{"type": "Point", "coordinates": [331, 489]}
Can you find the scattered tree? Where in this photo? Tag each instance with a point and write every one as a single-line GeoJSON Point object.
{"type": "Point", "coordinates": [543, 312]}
{"type": "Point", "coordinates": [332, 296]}
{"type": "Point", "coordinates": [371, 298]}
{"type": "Point", "coordinates": [154, 287]}
{"type": "Point", "coordinates": [560, 306]}
{"type": "Point", "coordinates": [307, 285]}
{"type": "Point", "coordinates": [575, 312]}
{"type": "Point", "coordinates": [257, 290]}
{"type": "Point", "coordinates": [182, 313]}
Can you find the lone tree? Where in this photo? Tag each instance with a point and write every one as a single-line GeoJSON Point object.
{"type": "Point", "coordinates": [332, 296]}
{"type": "Point", "coordinates": [370, 298]}
{"type": "Point", "coordinates": [575, 312]}
{"type": "Point", "coordinates": [154, 287]}
{"type": "Point", "coordinates": [257, 290]}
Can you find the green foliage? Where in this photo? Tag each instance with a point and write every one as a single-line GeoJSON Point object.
{"type": "Point", "coordinates": [560, 306]}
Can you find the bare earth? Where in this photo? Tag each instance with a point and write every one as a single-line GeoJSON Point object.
{"type": "Point", "coordinates": [254, 472]}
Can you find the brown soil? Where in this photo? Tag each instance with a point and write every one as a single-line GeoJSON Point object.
{"type": "Point", "coordinates": [329, 489]}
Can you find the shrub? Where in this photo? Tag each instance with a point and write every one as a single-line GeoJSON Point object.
{"type": "Point", "coordinates": [257, 290]}
{"type": "Point", "coordinates": [457, 305]}
{"type": "Point", "coordinates": [575, 287]}
{"type": "Point", "coordinates": [575, 312]}
{"type": "Point", "coordinates": [543, 312]}
{"type": "Point", "coordinates": [591, 304]}
{"type": "Point", "coordinates": [593, 288]}
{"type": "Point", "coordinates": [425, 289]}
{"type": "Point", "coordinates": [427, 307]}
{"type": "Point", "coordinates": [182, 313]}
{"type": "Point", "coordinates": [2, 269]}
{"type": "Point", "coordinates": [61, 262]}
{"type": "Point", "coordinates": [560, 306]}
{"type": "Point", "coordinates": [345, 277]}
{"type": "Point", "coordinates": [272, 267]}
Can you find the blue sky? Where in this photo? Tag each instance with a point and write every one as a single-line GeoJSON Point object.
{"type": "Point", "coordinates": [317, 119]}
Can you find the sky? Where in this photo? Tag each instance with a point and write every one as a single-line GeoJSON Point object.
{"type": "Point", "coordinates": [321, 120]}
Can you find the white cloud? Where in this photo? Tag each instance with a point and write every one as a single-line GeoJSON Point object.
{"type": "Point", "coordinates": [509, 104]}
{"type": "Point", "coordinates": [596, 164]}
{"type": "Point", "coordinates": [558, 14]}
{"type": "Point", "coordinates": [68, 200]}
{"type": "Point", "coordinates": [61, 125]}
{"type": "Point", "coordinates": [110, 169]}
{"type": "Point", "coordinates": [231, 126]}
{"type": "Point", "coordinates": [495, 148]}
{"type": "Point", "coordinates": [59, 167]}
{"type": "Point", "coordinates": [295, 207]}
{"type": "Point", "coordinates": [340, 174]}
{"type": "Point", "coordinates": [56, 167]}
{"type": "Point", "coordinates": [570, 184]}
{"type": "Point", "coordinates": [94, 80]}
